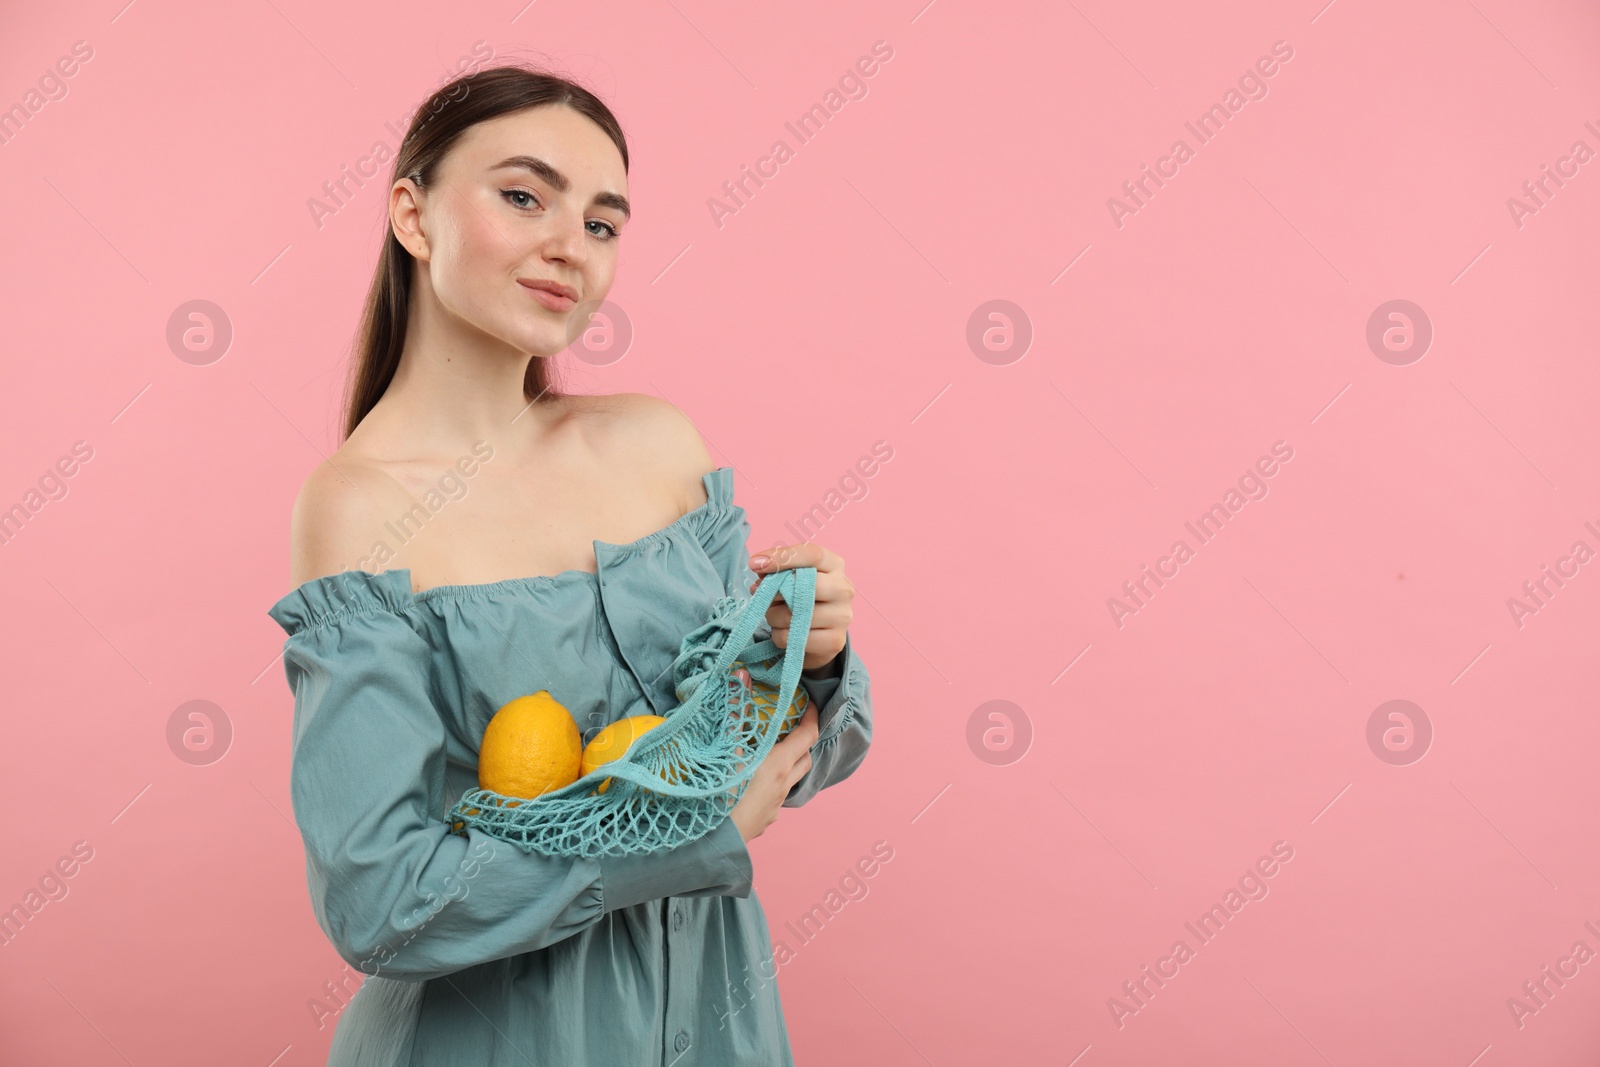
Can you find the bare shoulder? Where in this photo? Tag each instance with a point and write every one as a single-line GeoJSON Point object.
{"type": "Point", "coordinates": [337, 515]}
{"type": "Point", "coordinates": [649, 430]}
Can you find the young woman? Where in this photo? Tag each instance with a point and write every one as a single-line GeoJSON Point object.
{"type": "Point", "coordinates": [479, 536]}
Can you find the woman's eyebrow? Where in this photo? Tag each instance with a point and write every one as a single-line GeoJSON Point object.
{"type": "Point", "coordinates": [559, 182]}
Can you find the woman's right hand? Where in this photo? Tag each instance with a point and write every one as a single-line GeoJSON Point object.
{"type": "Point", "coordinates": [786, 764]}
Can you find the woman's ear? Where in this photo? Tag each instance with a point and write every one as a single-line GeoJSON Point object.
{"type": "Point", "coordinates": [405, 218]}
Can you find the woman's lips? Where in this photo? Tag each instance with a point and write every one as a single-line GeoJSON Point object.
{"type": "Point", "coordinates": [553, 301]}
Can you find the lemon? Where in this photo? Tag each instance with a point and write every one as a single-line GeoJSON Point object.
{"type": "Point", "coordinates": [765, 698]}
{"type": "Point", "coordinates": [610, 744]}
{"type": "Point", "coordinates": [530, 747]}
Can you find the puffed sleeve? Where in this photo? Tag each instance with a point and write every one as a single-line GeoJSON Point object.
{"type": "Point", "coordinates": [394, 890]}
{"type": "Point", "coordinates": [844, 702]}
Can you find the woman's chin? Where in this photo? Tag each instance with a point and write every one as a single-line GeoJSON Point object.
{"type": "Point", "coordinates": [541, 341]}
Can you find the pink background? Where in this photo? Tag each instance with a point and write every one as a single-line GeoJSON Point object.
{"type": "Point", "coordinates": [829, 313]}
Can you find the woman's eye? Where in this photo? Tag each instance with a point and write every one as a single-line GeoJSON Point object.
{"type": "Point", "coordinates": [610, 230]}
{"type": "Point", "coordinates": [510, 193]}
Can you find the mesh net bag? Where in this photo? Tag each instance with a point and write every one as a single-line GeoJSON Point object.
{"type": "Point", "coordinates": [680, 779]}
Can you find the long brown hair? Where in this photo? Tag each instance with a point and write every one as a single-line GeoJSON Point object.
{"type": "Point", "coordinates": [438, 123]}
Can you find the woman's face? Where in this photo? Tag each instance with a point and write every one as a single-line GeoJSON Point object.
{"type": "Point", "coordinates": [534, 196]}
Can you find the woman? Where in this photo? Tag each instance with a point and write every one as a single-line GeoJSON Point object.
{"type": "Point", "coordinates": [478, 537]}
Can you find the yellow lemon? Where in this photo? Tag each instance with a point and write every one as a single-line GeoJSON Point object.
{"type": "Point", "coordinates": [530, 747]}
{"type": "Point", "coordinates": [765, 698]}
{"type": "Point", "coordinates": [609, 744]}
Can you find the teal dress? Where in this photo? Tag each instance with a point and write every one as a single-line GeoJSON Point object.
{"type": "Point", "coordinates": [476, 952]}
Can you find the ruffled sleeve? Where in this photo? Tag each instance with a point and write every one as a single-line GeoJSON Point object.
{"type": "Point", "coordinates": [394, 890]}
{"type": "Point", "coordinates": [844, 702]}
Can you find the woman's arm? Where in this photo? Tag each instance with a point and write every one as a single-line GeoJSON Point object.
{"type": "Point", "coordinates": [844, 700]}
{"type": "Point", "coordinates": [396, 892]}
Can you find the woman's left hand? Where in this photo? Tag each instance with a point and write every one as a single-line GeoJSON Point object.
{"type": "Point", "coordinates": [831, 613]}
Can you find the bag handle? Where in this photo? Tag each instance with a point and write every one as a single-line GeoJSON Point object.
{"type": "Point", "coordinates": [799, 589]}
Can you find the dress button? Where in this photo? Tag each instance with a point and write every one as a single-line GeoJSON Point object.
{"type": "Point", "coordinates": [677, 918]}
{"type": "Point", "coordinates": [682, 1042]}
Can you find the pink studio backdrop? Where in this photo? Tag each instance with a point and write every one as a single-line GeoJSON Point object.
{"type": "Point", "coordinates": [1159, 340]}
